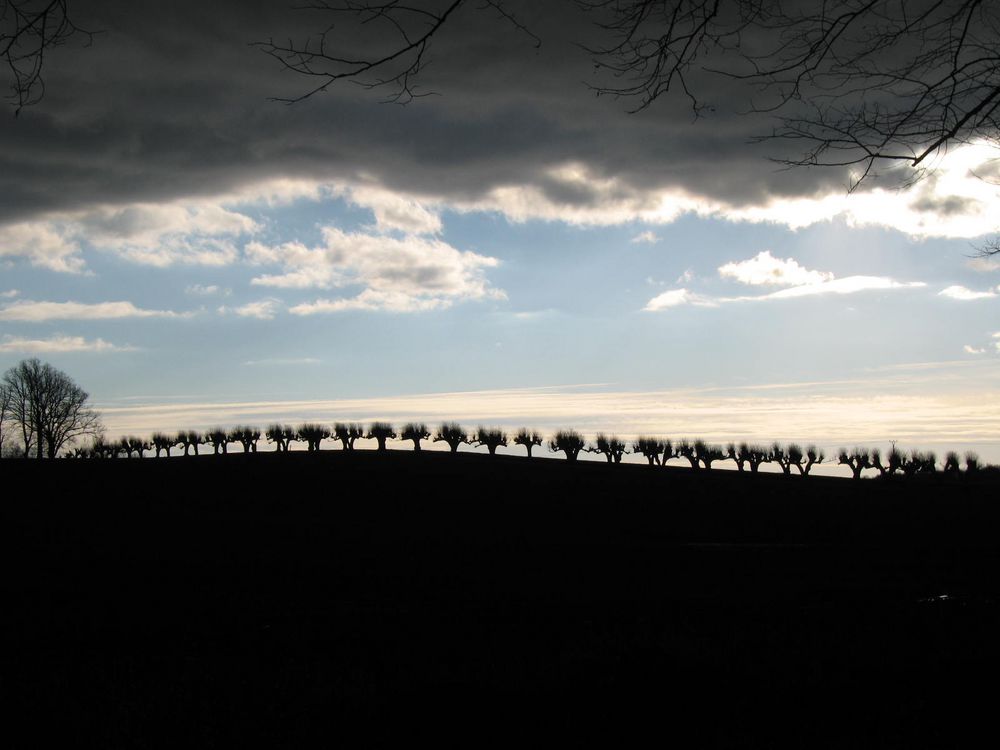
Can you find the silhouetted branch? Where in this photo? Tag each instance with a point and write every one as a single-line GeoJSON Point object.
{"type": "Point", "coordinates": [28, 30]}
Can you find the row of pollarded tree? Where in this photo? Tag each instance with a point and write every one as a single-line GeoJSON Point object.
{"type": "Point", "coordinates": [700, 455]}
{"type": "Point", "coordinates": [910, 464]}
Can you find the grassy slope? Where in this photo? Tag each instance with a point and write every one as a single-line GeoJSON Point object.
{"type": "Point", "coordinates": [284, 597]}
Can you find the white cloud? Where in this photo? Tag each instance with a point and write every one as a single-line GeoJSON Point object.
{"type": "Point", "coordinates": [55, 344]}
{"type": "Point", "coordinates": [29, 311]}
{"type": "Point", "coordinates": [264, 309]}
{"type": "Point", "coordinates": [973, 350]}
{"type": "Point", "coordinates": [199, 290]}
{"type": "Point", "coordinates": [41, 244]}
{"type": "Point", "coordinates": [765, 269]}
{"type": "Point", "coordinates": [399, 274]}
{"type": "Point", "coordinates": [647, 237]}
{"type": "Point", "coordinates": [9, 294]}
{"type": "Point", "coordinates": [371, 299]}
{"type": "Point", "coordinates": [394, 212]}
{"type": "Point", "coordinates": [677, 297]}
{"type": "Point", "coordinates": [189, 232]}
{"type": "Point", "coordinates": [964, 294]}
{"type": "Point", "coordinates": [685, 277]}
{"type": "Point", "coordinates": [846, 285]}
{"type": "Point", "coordinates": [195, 232]}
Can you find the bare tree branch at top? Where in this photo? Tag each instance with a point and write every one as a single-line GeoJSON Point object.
{"type": "Point", "coordinates": [28, 30]}
{"type": "Point", "coordinates": [855, 83]}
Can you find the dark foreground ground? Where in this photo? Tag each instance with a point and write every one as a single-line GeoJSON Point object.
{"type": "Point", "coordinates": [294, 601]}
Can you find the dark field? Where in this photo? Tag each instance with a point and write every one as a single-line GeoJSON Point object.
{"type": "Point", "coordinates": [296, 600]}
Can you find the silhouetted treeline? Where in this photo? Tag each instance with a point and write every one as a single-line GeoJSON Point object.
{"type": "Point", "coordinates": [699, 454]}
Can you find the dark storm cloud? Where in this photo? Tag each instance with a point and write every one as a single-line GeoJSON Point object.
{"type": "Point", "coordinates": [171, 100]}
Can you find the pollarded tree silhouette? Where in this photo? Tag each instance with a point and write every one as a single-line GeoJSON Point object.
{"type": "Point", "coordinates": [312, 435]}
{"type": "Point", "coordinates": [219, 440]}
{"type": "Point", "coordinates": [132, 444]}
{"type": "Point", "coordinates": [101, 448]}
{"type": "Point", "coordinates": [739, 455]}
{"type": "Point", "coordinates": [757, 455]}
{"type": "Point", "coordinates": [786, 457]}
{"type": "Point", "coordinates": [971, 462]}
{"type": "Point", "coordinates": [611, 447]}
{"type": "Point", "coordinates": [190, 439]}
{"type": "Point", "coordinates": [453, 434]}
{"type": "Point", "coordinates": [748, 455]}
{"type": "Point", "coordinates": [651, 448]}
{"type": "Point", "coordinates": [919, 463]}
{"type": "Point", "coordinates": [686, 449]}
{"type": "Point", "coordinates": [708, 454]}
{"type": "Point", "coordinates": [246, 436]}
{"type": "Point", "coordinates": [347, 433]}
{"type": "Point", "coordinates": [893, 463]}
{"type": "Point", "coordinates": [857, 459]}
{"type": "Point", "coordinates": [813, 456]}
{"type": "Point", "coordinates": [952, 464]}
{"type": "Point", "coordinates": [381, 431]}
{"type": "Point", "coordinates": [569, 442]}
{"type": "Point", "coordinates": [281, 435]}
{"type": "Point", "coordinates": [528, 438]}
{"type": "Point", "coordinates": [162, 442]}
{"type": "Point", "coordinates": [491, 437]}
{"type": "Point", "coordinates": [415, 431]}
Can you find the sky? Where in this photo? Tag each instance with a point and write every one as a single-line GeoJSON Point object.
{"type": "Point", "coordinates": [509, 250]}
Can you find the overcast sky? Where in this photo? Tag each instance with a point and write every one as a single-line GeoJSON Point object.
{"type": "Point", "coordinates": [510, 250]}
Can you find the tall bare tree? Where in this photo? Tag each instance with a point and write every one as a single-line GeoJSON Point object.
{"type": "Point", "coordinates": [49, 408]}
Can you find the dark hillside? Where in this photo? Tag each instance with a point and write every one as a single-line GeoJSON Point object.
{"type": "Point", "coordinates": [281, 597]}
